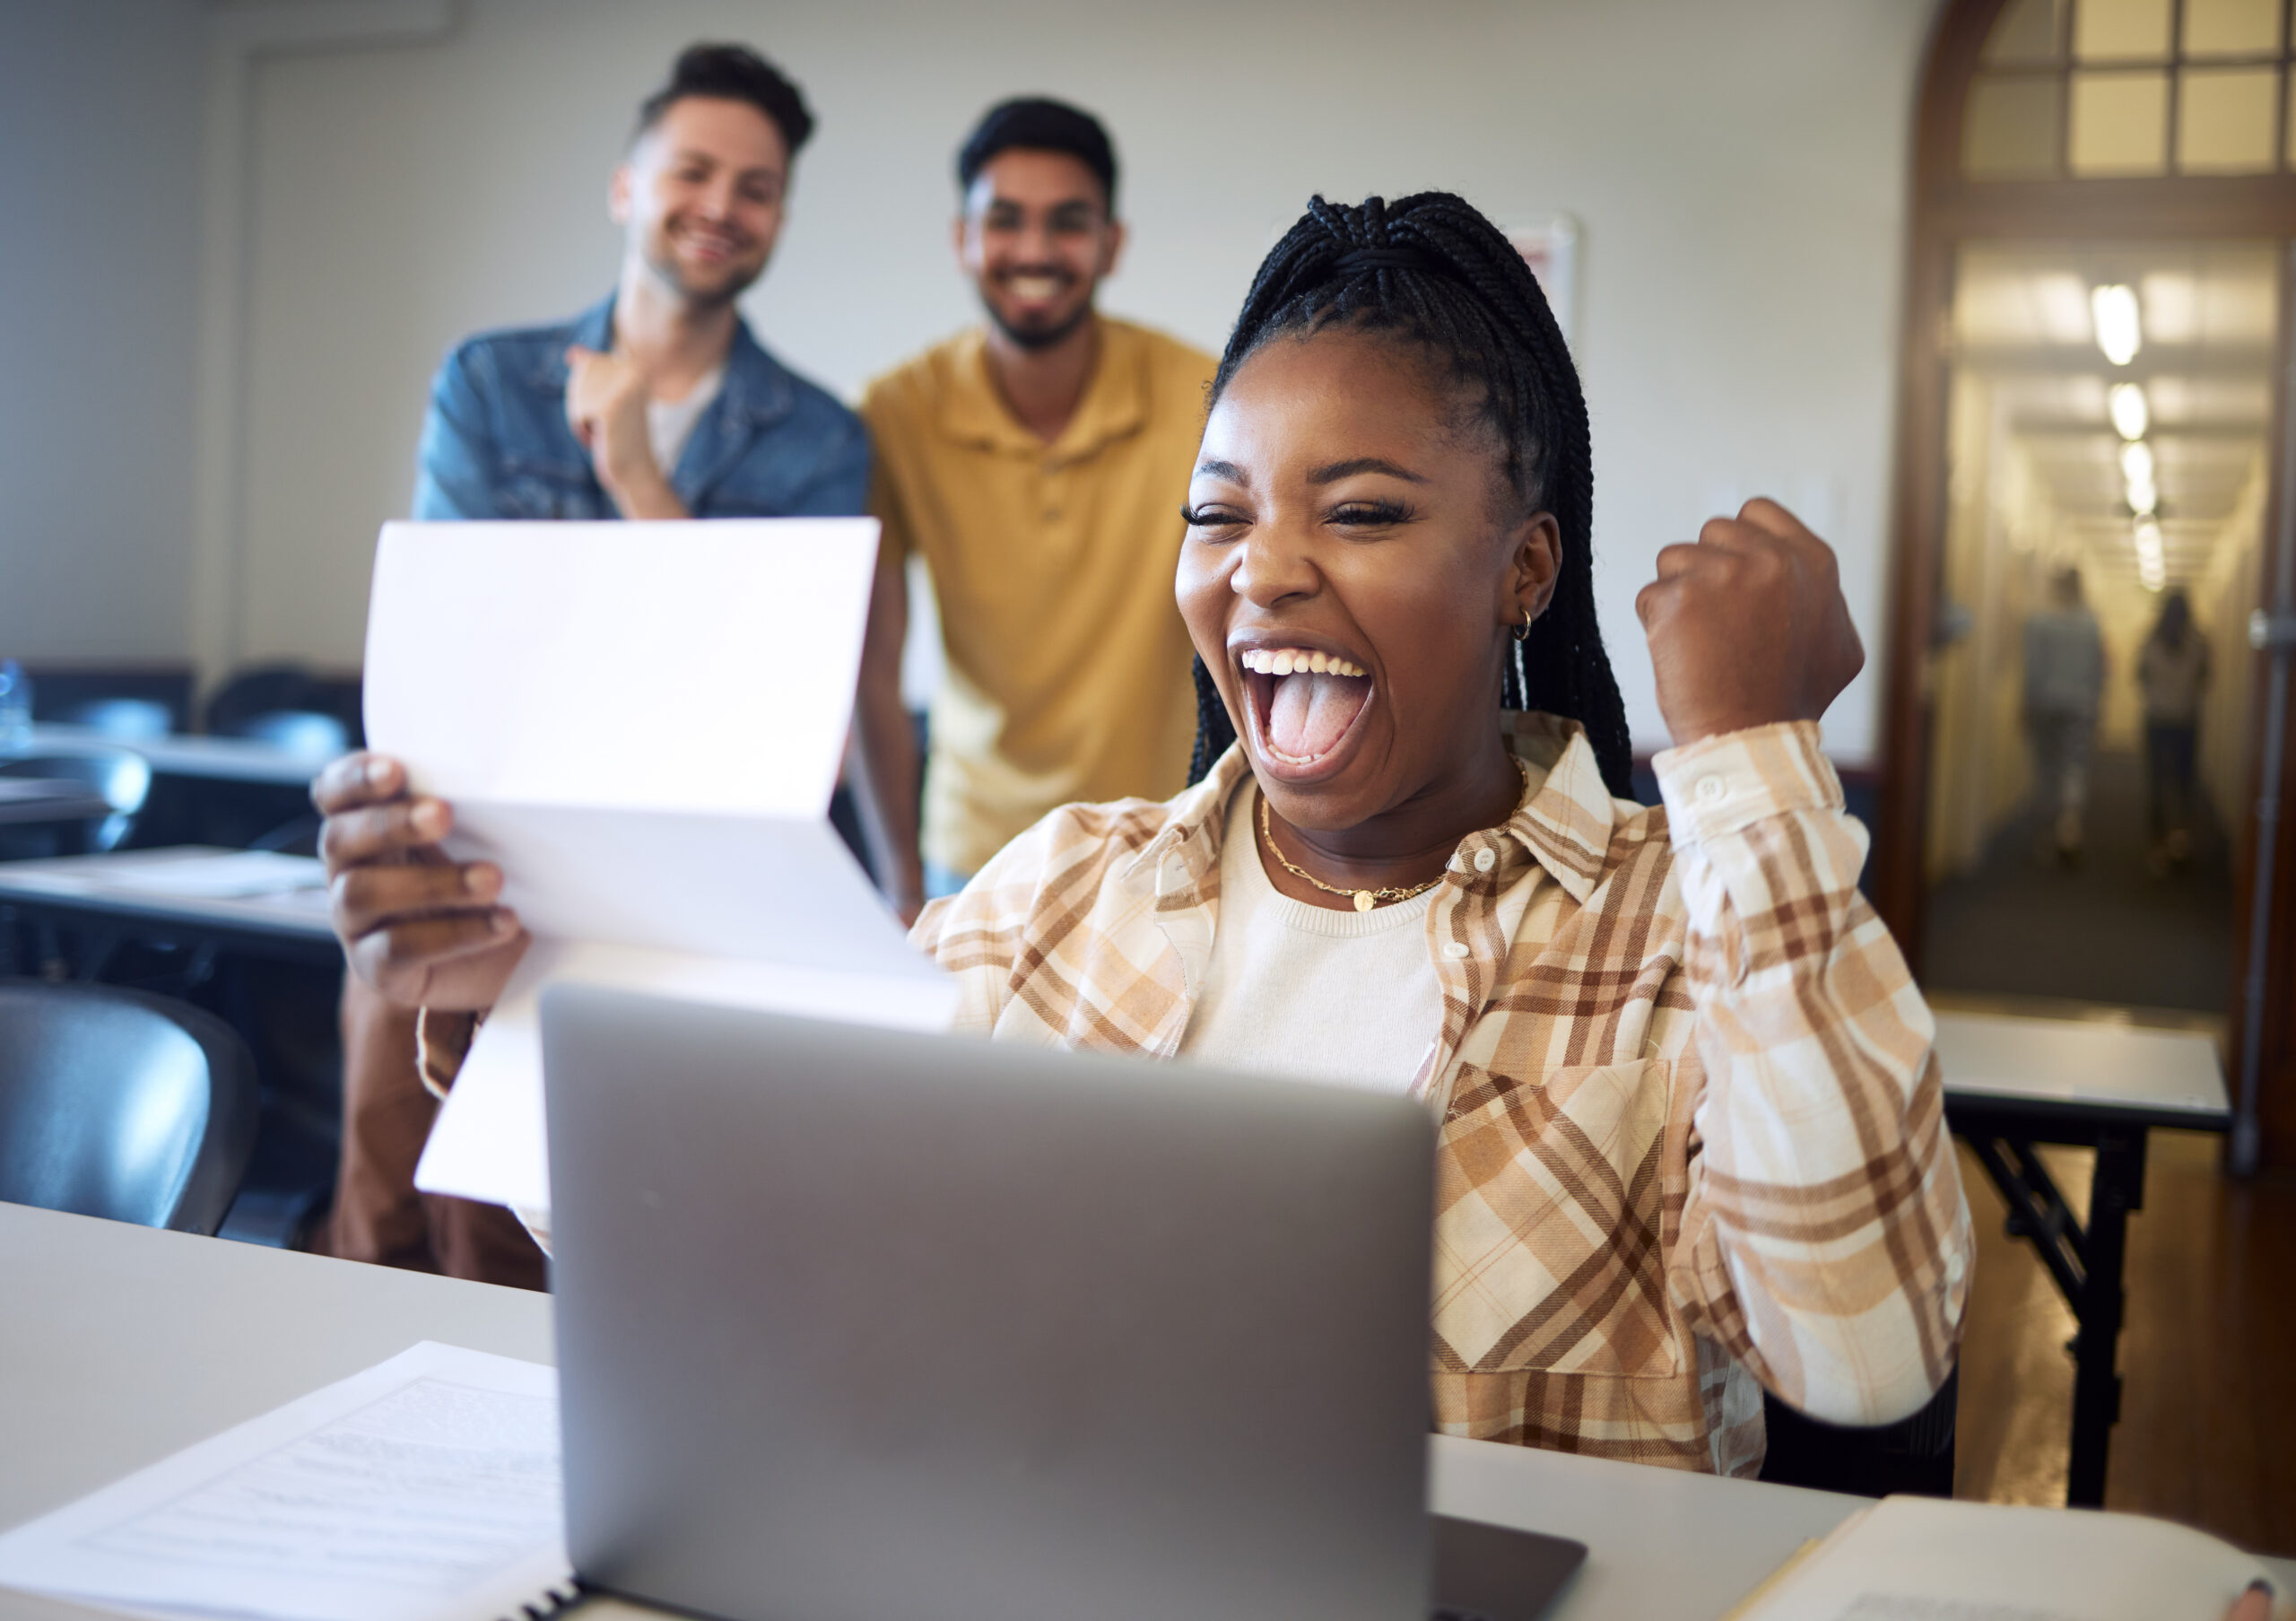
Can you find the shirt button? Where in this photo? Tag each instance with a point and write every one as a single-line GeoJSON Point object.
{"type": "Point", "coordinates": [1712, 790]}
{"type": "Point", "coordinates": [1486, 859]}
{"type": "Point", "coordinates": [1955, 1267]}
{"type": "Point", "coordinates": [1455, 949]}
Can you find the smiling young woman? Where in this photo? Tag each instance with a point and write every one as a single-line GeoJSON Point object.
{"type": "Point", "coordinates": [1692, 1140]}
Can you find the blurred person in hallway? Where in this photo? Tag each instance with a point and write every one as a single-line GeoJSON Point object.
{"type": "Point", "coordinates": [655, 402]}
{"type": "Point", "coordinates": [2172, 672]}
{"type": "Point", "coordinates": [2065, 676]}
{"type": "Point", "coordinates": [1038, 464]}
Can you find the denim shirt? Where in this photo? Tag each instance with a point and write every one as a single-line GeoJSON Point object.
{"type": "Point", "coordinates": [496, 442]}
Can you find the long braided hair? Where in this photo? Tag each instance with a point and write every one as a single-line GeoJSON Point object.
{"type": "Point", "coordinates": [1433, 271]}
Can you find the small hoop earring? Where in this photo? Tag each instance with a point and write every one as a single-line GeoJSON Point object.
{"type": "Point", "coordinates": [1523, 630]}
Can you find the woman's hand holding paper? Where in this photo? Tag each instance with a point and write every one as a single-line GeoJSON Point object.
{"type": "Point", "coordinates": [423, 930]}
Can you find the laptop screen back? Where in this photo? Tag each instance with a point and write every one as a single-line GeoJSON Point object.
{"type": "Point", "coordinates": [859, 1325]}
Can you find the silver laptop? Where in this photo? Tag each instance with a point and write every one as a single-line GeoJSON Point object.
{"type": "Point", "coordinates": [859, 1325]}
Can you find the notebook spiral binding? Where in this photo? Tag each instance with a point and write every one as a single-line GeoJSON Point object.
{"type": "Point", "coordinates": [554, 1601]}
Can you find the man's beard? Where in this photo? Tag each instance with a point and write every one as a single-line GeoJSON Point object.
{"type": "Point", "coordinates": [1037, 337]}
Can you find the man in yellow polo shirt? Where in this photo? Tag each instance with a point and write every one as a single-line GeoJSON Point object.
{"type": "Point", "coordinates": [1038, 464]}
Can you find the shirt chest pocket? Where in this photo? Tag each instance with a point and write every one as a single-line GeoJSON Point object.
{"type": "Point", "coordinates": [1549, 1197]}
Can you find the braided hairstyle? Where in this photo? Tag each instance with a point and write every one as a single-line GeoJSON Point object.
{"type": "Point", "coordinates": [1434, 272]}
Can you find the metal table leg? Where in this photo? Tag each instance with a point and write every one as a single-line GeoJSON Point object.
{"type": "Point", "coordinates": [2116, 1187]}
{"type": "Point", "coordinates": [2085, 1262]}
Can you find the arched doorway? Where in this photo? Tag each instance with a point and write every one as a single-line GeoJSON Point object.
{"type": "Point", "coordinates": [2081, 164]}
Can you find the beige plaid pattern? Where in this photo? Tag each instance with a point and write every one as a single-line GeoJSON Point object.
{"type": "Point", "coordinates": [1692, 1133]}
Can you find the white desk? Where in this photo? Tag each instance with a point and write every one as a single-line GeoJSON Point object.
{"type": "Point", "coordinates": [120, 1345]}
{"type": "Point", "coordinates": [152, 895]}
{"type": "Point", "coordinates": [215, 759]}
{"type": "Point", "coordinates": [2011, 1083]}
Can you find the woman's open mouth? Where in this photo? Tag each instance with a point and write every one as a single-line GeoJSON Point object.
{"type": "Point", "coordinates": [1304, 706]}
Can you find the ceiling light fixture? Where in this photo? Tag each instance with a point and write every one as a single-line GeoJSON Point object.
{"type": "Point", "coordinates": [2131, 413]}
{"type": "Point", "coordinates": [2151, 557]}
{"type": "Point", "coordinates": [2136, 462]}
{"type": "Point", "coordinates": [2119, 333]}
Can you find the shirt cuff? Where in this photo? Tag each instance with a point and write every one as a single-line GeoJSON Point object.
{"type": "Point", "coordinates": [442, 1041]}
{"type": "Point", "coordinates": [1721, 785]}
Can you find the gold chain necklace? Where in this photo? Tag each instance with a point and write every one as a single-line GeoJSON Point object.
{"type": "Point", "coordinates": [1364, 899]}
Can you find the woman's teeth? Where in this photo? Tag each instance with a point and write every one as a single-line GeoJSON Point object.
{"type": "Point", "coordinates": [1297, 661]}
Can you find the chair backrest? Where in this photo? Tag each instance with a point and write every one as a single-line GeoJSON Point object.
{"type": "Point", "coordinates": [317, 738]}
{"type": "Point", "coordinates": [123, 779]}
{"type": "Point", "coordinates": [267, 689]}
{"type": "Point", "coordinates": [129, 720]}
{"type": "Point", "coordinates": [124, 1105]}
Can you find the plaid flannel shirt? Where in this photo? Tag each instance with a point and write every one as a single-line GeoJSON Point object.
{"type": "Point", "coordinates": [1692, 1132]}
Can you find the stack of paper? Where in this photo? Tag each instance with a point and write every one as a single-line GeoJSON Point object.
{"type": "Point", "coordinates": [642, 725]}
{"type": "Point", "coordinates": [424, 1489]}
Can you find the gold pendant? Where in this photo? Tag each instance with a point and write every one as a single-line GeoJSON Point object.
{"type": "Point", "coordinates": [1363, 901]}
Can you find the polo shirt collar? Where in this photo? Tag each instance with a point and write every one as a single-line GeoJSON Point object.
{"type": "Point", "coordinates": [1115, 405]}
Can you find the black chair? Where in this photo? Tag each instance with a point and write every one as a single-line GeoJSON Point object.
{"type": "Point", "coordinates": [266, 690]}
{"type": "Point", "coordinates": [123, 1105]}
{"type": "Point", "coordinates": [123, 779]}
{"type": "Point", "coordinates": [1915, 1455]}
{"type": "Point", "coordinates": [317, 738]}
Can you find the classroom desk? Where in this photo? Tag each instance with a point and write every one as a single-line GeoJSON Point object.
{"type": "Point", "coordinates": [212, 758]}
{"type": "Point", "coordinates": [27, 801]}
{"type": "Point", "coordinates": [125, 1344]}
{"type": "Point", "coordinates": [2012, 1083]}
{"type": "Point", "coordinates": [126, 896]}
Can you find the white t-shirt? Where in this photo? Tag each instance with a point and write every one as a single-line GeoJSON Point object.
{"type": "Point", "coordinates": [1348, 997]}
{"type": "Point", "coordinates": [669, 424]}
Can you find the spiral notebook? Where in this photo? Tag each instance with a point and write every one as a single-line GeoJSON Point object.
{"type": "Point", "coordinates": [426, 1488]}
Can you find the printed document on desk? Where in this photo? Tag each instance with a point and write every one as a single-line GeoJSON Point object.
{"type": "Point", "coordinates": [641, 724]}
{"type": "Point", "coordinates": [426, 1488]}
{"type": "Point", "coordinates": [1927, 1559]}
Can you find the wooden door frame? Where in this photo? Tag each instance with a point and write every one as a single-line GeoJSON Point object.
{"type": "Point", "coordinates": [1948, 211]}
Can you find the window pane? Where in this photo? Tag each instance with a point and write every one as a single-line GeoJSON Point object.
{"type": "Point", "coordinates": [2224, 119]}
{"type": "Point", "coordinates": [2120, 124]}
{"type": "Point", "coordinates": [2009, 130]}
{"type": "Point", "coordinates": [2231, 28]}
{"type": "Point", "coordinates": [2120, 30]}
{"type": "Point", "coordinates": [2027, 30]}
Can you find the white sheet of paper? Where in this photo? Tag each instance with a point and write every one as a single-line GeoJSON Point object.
{"type": "Point", "coordinates": [668, 666]}
{"type": "Point", "coordinates": [426, 1488]}
{"type": "Point", "coordinates": [495, 1149]}
{"type": "Point", "coordinates": [641, 724]}
{"type": "Point", "coordinates": [1927, 1559]}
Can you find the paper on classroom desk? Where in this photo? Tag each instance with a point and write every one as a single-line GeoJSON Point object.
{"type": "Point", "coordinates": [426, 1488]}
{"type": "Point", "coordinates": [1926, 1559]}
{"type": "Point", "coordinates": [237, 875]}
{"type": "Point", "coordinates": [641, 724]}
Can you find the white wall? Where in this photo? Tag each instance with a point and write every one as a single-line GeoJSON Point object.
{"type": "Point", "coordinates": [99, 107]}
{"type": "Point", "coordinates": [1738, 173]}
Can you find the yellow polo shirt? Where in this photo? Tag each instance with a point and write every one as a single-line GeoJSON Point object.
{"type": "Point", "coordinates": [1052, 564]}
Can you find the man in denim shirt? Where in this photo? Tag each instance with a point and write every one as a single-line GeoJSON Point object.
{"type": "Point", "coordinates": [656, 403]}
